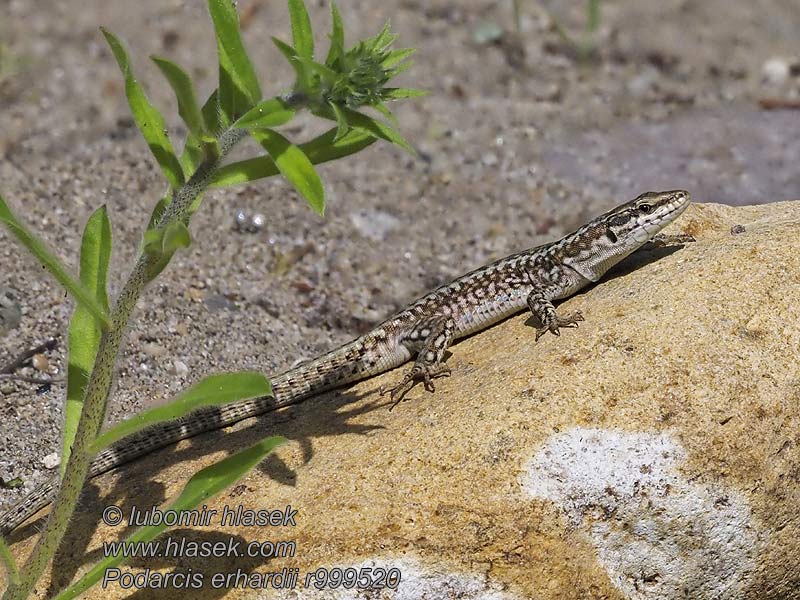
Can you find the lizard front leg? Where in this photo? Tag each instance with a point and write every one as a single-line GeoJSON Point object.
{"type": "Point", "coordinates": [546, 313]}
{"type": "Point", "coordinates": [432, 337]}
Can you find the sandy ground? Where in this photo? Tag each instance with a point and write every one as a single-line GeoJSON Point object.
{"type": "Point", "coordinates": [518, 143]}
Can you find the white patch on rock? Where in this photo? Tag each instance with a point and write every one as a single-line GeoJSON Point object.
{"type": "Point", "coordinates": [657, 534]}
{"type": "Point", "coordinates": [418, 582]}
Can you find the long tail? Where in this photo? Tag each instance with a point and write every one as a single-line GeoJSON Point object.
{"type": "Point", "coordinates": [308, 379]}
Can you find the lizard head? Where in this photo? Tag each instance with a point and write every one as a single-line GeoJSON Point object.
{"type": "Point", "coordinates": [598, 246]}
{"type": "Point", "coordinates": [631, 224]}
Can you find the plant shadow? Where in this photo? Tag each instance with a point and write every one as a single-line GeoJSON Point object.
{"type": "Point", "coordinates": [320, 416]}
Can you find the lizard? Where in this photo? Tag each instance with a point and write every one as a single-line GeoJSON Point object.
{"type": "Point", "coordinates": [424, 329]}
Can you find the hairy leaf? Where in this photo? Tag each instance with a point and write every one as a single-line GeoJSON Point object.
{"type": "Point", "coordinates": [336, 50]}
{"type": "Point", "coordinates": [321, 149]}
{"type": "Point", "coordinates": [150, 122]}
{"type": "Point", "coordinates": [238, 85]}
{"type": "Point", "coordinates": [183, 87]}
{"type": "Point", "coordinates": [294, 165]}
{"type": "Point", "coordinates": [269, 113]}
{"type": "Point", "coordinates": [301, 29]}
{"type": "Point", "coordinates": [84, 330]}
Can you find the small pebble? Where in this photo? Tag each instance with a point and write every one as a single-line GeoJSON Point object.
{"type": "Point", "coordinates": [195, 295]}
{"type": "Point", "coordinates": [258, 221]}
{"type": "Point", "coordinates": [10, 311]}
{"type": "Point", "coordinates": [640, 85]}
{"type": "Point", "coordinates": [217, 302]}
{"type": "Point", "coordinates": [374, 224]}
{"type": "Point", "coordinates": [240, 220]}
{"type": "Point", "coordinates": [487, 32]}
{"type": "Point", "coordinates": [179, 368]}
{"type": "Point", "coordinates": [51, 461]}
{"type": "Point", "coordinates": [738, 228]}
{"type": "Point", "coordinates": [40, 363]}
{"type": "Point", "coordinates": [247, 223]}
{"type": "Point", "coordinates": [489, 159]}
{"type": "Point", "coordinates": [154, 350]}
{"type": "Point", "coordinates": [776, 70]}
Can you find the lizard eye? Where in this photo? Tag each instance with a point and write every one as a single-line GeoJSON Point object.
{"type": "Point", "coordinates": [645, 208]}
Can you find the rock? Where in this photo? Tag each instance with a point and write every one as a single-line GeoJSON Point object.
{"type": "Point", "coordinates": [153, 350]}
{"type": "Point", "coordinates": [640, 85]}
{"type": "Point", "coordinates": [776, 70]}
{"type": "Point", "coordinates": [179, 368]}
{"type": "Point", "coordinates": [651, 454]}
{"type": "Point", "coordinates": [10, 311]}
{"type": "Point", "coordinates": [40, 363]}
{"type": "Point", "coordinates": [51, 461]}
{"type": "Point", "coordinates": [374, 224]}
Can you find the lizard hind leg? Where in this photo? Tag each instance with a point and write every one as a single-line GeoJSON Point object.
{"type": "Point", "coordinates": [432, 337]}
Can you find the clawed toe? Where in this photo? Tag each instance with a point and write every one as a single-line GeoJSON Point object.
{"type": "Point", "coordinates": [426, 373]}
{"type": "Point", "coordinates": [571, 320]}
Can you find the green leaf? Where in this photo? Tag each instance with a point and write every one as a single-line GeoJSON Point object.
{"type": "Point", "coordinates": [205, 484]}
{"type": "Point", "coordinates": [150, 122]}
{"type": "Point", "coordinates": [238, 89]}
{"type": "Point", "coordinates": [84, 330]}
{"type": "Point", "coordinates": [402, 93]}
{"type": "Point", "coordinates": [294, 165]}
{"type": "Point", "coordinates": [158, 211]}
{"type": "Point", "coordinates": [374, 127]}
{"type": "Point", "coordinates": [8, 560]}
{"type": "Point", "coordinates": [151, 241]}
{"type": "Point", "coordinates": [198, 145]}
{"type": "Point", "coordinates": [269, 113]}
{"type": "Point", "coordinates": [163, 243]}
{"type": "Point", "coordinates": [342, 126]}
{"type": "Point", "coordinates": [183, 87]}
{"type": "Point", "coordinates": [323, 71]}
{"type": "Point", "coordinates": [214, 390]}
{"type": "Point", "coordinates": [336, 51]}
{"type": "Point", "coordinates": [212, 114]}
{"type": "Point", "coordinates": [397, 56]}
{"type": "Point", "coordinates": [53, 264]}
{"type": "Point", "coordinates": [384, 38]}
{"type": "Point", "coordinates": [291, 55]}
{"type": "Point", "coordinates": [176, 236]}
{"type": "Point", "coordinates": [382, 108]}
{"type": "Point", "coordinates": [323, 148]}
{"type": "Point", "coordinates": [301, 29]}
{"type": "Point", "coordinates": [192, 155]}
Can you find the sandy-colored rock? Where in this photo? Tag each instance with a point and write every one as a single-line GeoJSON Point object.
{"type": "Point", "coordinates": [652, 453]}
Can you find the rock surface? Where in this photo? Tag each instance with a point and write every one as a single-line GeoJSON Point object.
{"type": "Point", "coordinates": [653, 453]}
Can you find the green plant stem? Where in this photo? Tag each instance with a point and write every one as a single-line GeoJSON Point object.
{"type": "Point", "coordinates": [99, 385]}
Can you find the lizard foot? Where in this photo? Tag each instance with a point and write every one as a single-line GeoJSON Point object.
{"type": "Point", "coordinates": [570, 320]}
{"type": "Point", "coordinates": [425, 372]}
